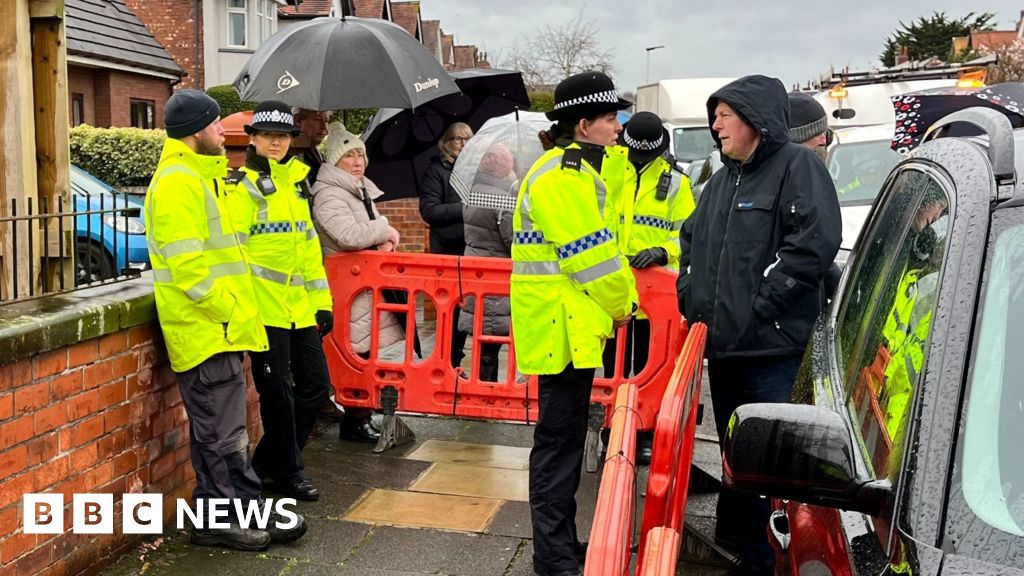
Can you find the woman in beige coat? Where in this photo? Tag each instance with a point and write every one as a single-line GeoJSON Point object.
{"type": "Point", "coordinates": [342, 203]}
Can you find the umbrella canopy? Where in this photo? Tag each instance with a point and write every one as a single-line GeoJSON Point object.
{"type": "Point", "coordinates": [400, 143]}
{"type": "Point", "coordinates": [917, 111]}
{"type": "Point", "coordinates": [494, 162]}
{"type": "Point", "coordinates": [334, 64]}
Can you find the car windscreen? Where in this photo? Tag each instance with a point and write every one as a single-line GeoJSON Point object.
{"type": "Point", "coordinates": [859, 169]}
{"type": "Point", "coordinates": [987, 502]}
{"type": "Point", "coordinates": [692, 143]}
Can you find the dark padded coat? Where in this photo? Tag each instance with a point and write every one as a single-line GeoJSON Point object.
{"type": "Point", "coordinates": [440, 205]}
{"type": "Point", "coordinates": [764, 233]}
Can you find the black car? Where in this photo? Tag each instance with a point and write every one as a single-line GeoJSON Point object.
{"type": "Point", "coordinates": [914, 380]}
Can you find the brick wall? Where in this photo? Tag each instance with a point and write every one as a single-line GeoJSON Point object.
{"type": "Point", "coordinates": [112, 92]}
{"type": "Point", "coordinates": [173, 24]}
{"type": "Point", "coordinates": [80, 81]}
{"type": "Point", "coordinates": [99, 416]}
{"type": "Point", "coordinates": [404, 215]}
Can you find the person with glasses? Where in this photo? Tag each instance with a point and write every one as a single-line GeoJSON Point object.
{"type": "Point", "coordinates": [441, 209]}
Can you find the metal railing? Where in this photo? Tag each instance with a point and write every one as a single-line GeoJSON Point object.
{"type": "Point", "coordinates": [89, 240]}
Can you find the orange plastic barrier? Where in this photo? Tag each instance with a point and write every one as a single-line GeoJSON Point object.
{"type": "Point", "coordinates": [674, 433]}
{"type": "Point", "coordinates": [430, 385]}
{"type": "Point", "coordinates": [661, 554]}
{"type": "Point", "coordinates": [608, 552]}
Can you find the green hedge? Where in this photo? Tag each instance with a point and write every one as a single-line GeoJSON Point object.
{"type": "Point", "coordinates": [118, 156]}
{"type": "Point", "coordinates": [356, 120]}
{"type": "Point", "coordinates": [542, 101]}
{"type": "Point", "coordinates": [228, 99]}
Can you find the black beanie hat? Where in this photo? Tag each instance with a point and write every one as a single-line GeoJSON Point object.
{"type": "Point", "coordinates": [188, 112]}
{"type": "Point", "coordinates": [807, 117]}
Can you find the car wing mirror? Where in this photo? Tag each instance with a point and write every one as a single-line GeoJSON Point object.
{"type": "Point", "coordinates": [798, 452]}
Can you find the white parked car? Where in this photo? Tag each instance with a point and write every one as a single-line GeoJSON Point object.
{"type": "Point", "coordinates": [859, 161]}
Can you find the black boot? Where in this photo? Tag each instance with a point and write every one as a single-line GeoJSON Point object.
{"type": "Point", "coordinates": [236, 537]}
{"type": "Point", "coordinates": [282, 535]}
{"type": "Point", "coordinates": [358, 427]}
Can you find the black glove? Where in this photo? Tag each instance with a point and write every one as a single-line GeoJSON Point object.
{"type": "Point", "coordinates": [324, 322]}
{"type": "Point", "coordinates": [649, 257]}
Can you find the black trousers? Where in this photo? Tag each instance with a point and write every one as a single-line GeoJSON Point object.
{"type": "Point", "coordinates": [214, 396]}
{"type": "Point", "coordinates": [556, 462]}
{"type": "Point", "coordinates": [293, 383]}
{"type": "Point", "coordinates": [743, 517]}
{"type": "Point", "coordinates": [638, 348]}
{"type": "Point", "coordinates": [452, 248]}
{"type": "Point", "coordinates": [489, 361]}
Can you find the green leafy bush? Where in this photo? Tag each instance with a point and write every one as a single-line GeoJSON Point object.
{"type": "Point", "coordinates": [118, 156]}
{"type": "Point", "coordinates": [355, 120]}
{"type": "Point", "coordinates": [542, 101]}
{"type": "Point", "coordinates": [228, 99]}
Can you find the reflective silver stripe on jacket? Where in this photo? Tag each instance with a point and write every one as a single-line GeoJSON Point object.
{"type": "Point", "coordinates": [203, 287]}
{"type": "Point", "coordinates": [677, 225]}
{"type": "Point", "coordinates": [599, 270]}
{"type": "Point", "coordinates": [524, 206]}
{"type": "Point", "coordinates": [277, 277]}
{"type": "Point", "coordinates": [311, 234]}
{"type": "Point", "coordinates": [217, 239]}
{"type": "Point", "coordinates": [536, 268]}
{"type": "Point", "coordinates": [257, 197]}
{"type": "Point", "coordinates": [317, 285]}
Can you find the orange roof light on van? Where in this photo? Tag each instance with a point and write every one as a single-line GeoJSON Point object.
{"type": "Point", "coordinates": [974, 79]}
{"type": "Point", "coordinates": [838, 92]}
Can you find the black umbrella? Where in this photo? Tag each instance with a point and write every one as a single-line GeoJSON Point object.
{"type": "Point", "coordinates": [917, 111]}
{"type": "Point", "coordinates": [335, 64]}
{"type": "Point", "coordinates": [400, 143]}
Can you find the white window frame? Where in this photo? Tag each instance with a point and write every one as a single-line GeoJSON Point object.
{"type": "Point", "coordinates": [244, 11]}
{"type": "Point", "coordinates": [266, 15]}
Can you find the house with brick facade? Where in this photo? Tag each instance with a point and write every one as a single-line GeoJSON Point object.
{"type": "Point", "coordinates": [118, 73]}
{"type": "Point", "coordinates": [210, 39]}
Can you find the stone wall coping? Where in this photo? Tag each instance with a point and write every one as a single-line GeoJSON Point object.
{"type": "Point", "coordinates": [35, 326]}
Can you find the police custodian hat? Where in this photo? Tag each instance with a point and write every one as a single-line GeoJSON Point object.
{"type": "Point", "coordinates": [586, 95]}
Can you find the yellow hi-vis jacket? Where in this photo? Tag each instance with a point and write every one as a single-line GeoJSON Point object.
{"type": "Point", "coordinates": [203, 290]}
{"type": "Point", "coordinates": [282, 246]}
{"type": "Point", "coordinates": [906, 331]}
{"type": "Point", "coordinates": [569, 279]}
{"type": "Point", "coordinates": [650, 217]}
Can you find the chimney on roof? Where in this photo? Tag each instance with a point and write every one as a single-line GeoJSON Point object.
{"type": "Point", "coordinates": [903, 55]}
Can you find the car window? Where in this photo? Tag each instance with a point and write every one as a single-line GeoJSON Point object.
{"type": "Point", "coordinates": [859, 170]}
{"type": "Point", "coordinates": [692, 143]}
{"type": "Point", "coordinates": [989, 460]}
{"type": "Point", "coordinates": [885, 320]}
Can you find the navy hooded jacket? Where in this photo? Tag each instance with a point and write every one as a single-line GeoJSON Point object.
{"type": "Point", "coordinates": [764, 233]}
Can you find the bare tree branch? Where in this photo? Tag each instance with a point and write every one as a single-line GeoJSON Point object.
{"type": "Point", "coordinates": [561, 50]}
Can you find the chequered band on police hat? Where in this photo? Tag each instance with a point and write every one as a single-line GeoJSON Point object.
{"type": "Point", "coordinates": [609, 96]}
{"type": "Point", "coordinates": [643, 144]}
{"type": "Point", "coordinates": [273, 116]}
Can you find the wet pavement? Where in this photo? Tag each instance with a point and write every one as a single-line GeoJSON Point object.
{"type": "Point", "coordinates": [428, 507]}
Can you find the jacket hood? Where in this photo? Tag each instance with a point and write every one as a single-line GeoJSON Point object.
{"type": "Point", "coordinates": [763, 102]}
{"type": "Point", "coordinates": [332, 176]}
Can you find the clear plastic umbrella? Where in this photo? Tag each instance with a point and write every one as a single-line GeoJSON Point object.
{"type": "Point", "coordinates": [494, 162]}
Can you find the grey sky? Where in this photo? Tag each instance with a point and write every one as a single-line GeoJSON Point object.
{"type": "Point", "coordinates": [795, 40]}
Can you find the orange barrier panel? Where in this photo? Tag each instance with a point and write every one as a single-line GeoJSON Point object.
{"type": "Point", "coordinates": [608, 552]}
{"type": "Point", "coordinates": [430, 385]}
{"type": "Point", "coordinates": [661, 553]}
{"type": "Point", "coordinates": [674, 432]}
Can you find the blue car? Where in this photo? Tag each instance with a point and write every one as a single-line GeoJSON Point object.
{"type": "Point", "coordinates": [108, 244]}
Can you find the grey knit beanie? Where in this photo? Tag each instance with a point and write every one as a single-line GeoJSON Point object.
{"type": "Point", "coordinates": [807, 117]}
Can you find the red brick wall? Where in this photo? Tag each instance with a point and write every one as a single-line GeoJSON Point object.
{"type": "Point", "coordinates": [172, 23]}
{"type": "Point", "coordinates": [404, 215]}
{"type": "Point", "coordinates": [101, 416]}
{"type": "Point", "coordinates": [80, 81]}
{"type": "Point", "coordinates": [124, 86]}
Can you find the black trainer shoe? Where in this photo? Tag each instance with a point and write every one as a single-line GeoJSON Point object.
{"type": "Point", "coordinates": [236, 537]}
{"type": "Point", "coordinates": [300, 490]}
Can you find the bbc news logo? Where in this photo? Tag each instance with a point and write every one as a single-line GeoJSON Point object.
{"type": "Point", "coordinates": [144, 514]}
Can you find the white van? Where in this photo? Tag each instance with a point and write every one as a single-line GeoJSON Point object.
{"type": "Point", "coordinates": [870, 104]}
{"type": "Point", "coordinates": [682, 106]}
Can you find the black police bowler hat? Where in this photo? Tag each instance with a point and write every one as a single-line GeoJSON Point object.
{"type": "Point", "coordinates": [645, 136]}
{"type": "Point", "coordinates": [272, 116]}
{"type": "Point", "coordinates": [586, 95]}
